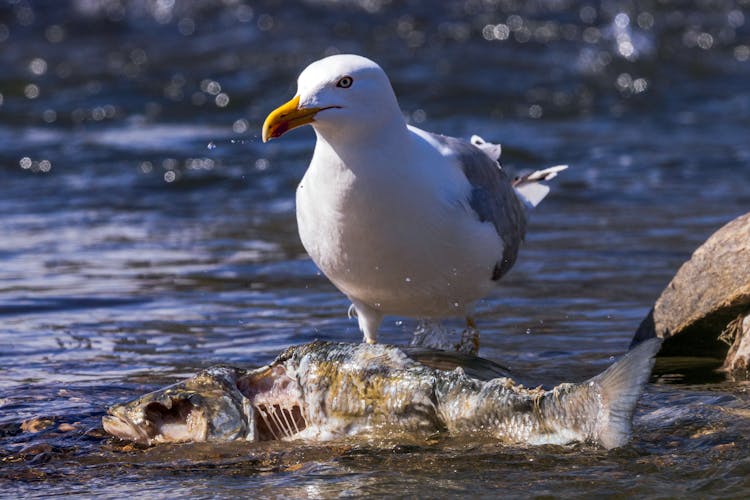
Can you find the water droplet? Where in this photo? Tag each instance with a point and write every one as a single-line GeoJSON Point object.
{"type": "Point", "coordinates": [97, 114]}
{"type": "Point", "coordinates": [222, 100]}
{"type": "Point", "coordinates": [31, 91]}
{"type": "Point", "coordinates": [244, 13]}
{"type": "Point", "coordinates": [186, 26]}
{"type": "Point", "coordinates": [38, 66]}
{"type": "Point", "coordinates": [169, 163]}
{"type": "Point", "coordinates": [645, 20]}
{"type": "Point", "coordinates": [640, 85]}
{"type": "Point", "coordinates": [54, 33]}
{"type": "Point", "coordinates": [265, 22]}
{"type": "Point", "coordinates": [622, 20]}
{"type": "Point", "coordinates": [587, 14]}
{"type": "Point", "coordinates": [240, 126]}
{"type": "Point", "coordinates": [210, 87]}
{"type": "Point", "coordinates": [741, 53]}
{"type": "Point", "coordinates": [419, 116]}
{"type": "Point", "coordinates": [49, 115]}
{"type": "Point", "coordinates": [705, 41]}
{"type": "Point", "coordinates": [211, 145]}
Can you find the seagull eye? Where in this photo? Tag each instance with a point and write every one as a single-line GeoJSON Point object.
{"type": "Point", "coordinates": [345, 82]}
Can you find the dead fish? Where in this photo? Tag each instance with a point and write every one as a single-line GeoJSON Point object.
{"type": "Point", "coordinates": [325, 390]}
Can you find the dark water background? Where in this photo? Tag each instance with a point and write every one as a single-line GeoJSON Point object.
{"type": "Point", "coordinates": [146, 232]}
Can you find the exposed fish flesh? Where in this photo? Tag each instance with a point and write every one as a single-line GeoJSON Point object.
{"type": "Point", "coordinates": [325, 390]}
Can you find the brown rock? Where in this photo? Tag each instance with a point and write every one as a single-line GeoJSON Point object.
{"type": "Point", "coordinates": [37, 424]}
{"type": "Point", "coordinates": [709, 291]}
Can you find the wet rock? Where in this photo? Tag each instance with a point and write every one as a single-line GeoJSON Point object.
{"type": "Point", "coordinates": [37, 424]}
{"type": "Point", "coordinates": [66, 427]}
{"type": "Point", "coordinates": [705, 309]}
{"type": "Point", "coordinates": [32, 450]}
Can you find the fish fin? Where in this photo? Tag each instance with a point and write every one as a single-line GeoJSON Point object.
{"type": "Point", "coordinates": [619, 388]}
{"type": "Point", "coordinates": [529, 189]}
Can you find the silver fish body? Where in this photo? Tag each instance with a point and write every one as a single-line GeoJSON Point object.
{"type": "Point", "coordinates": [324, 390]}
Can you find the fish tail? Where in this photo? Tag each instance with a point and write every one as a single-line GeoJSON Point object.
{"type": "Point", "coordinates": [529, 188]}
{"type": "Point", "coordinates": [619, 388]}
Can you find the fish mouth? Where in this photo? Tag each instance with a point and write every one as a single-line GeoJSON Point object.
{"type": "Point", "coordinates": [174, 420]}
{"type": "Point", "coordinates": [120, 427]}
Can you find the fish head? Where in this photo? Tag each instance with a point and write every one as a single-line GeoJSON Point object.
{"type": "Point", "coordinates": [206, 407]}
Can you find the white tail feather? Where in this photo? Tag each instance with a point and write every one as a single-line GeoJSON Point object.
{"type": "Point", "coordinates": [544, 175]}
{"type": "Point", "coordinates": [532, 194]}
{"type": "Point", "coordinates": [529, 189]}
{"type": "Point", "coordinates": [492, 150]}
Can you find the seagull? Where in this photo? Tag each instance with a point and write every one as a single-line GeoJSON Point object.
{"type": "Point", "coordinates": [402, 221]}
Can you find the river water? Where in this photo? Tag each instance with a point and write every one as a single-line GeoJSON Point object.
{"type": "Point", "coordinates": [146, 232]}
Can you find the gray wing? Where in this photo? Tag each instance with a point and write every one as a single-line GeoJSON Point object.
{"type": "Point", "coordinates": [492, 198]}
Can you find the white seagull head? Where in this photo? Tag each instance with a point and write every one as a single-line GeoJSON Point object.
{"type": "Point", "coordinates": [339, 95]}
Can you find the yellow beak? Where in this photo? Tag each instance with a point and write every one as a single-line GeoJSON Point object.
{"type": "Point", "coordinates": [286, 117]}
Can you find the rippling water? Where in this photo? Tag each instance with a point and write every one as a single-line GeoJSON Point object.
{"type": "Point", "coordinates": [146, 232]}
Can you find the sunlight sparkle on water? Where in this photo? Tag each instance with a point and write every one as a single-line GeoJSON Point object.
{"type": "Point", "coordinates": [31, 91]}
{"type": "Point", "coordinates": [222, 100]}
{"type": "Point", "coordinates": [43, 166]}
{"type": "Point", "coordinates": [38, 66]}
{"type": "Point", "coordinates": [240, 126]}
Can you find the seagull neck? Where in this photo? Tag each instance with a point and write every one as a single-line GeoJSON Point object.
{"type": "Point", "coordinates": [352, 144]}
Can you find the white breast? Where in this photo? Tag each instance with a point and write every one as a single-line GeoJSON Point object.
{"type": "Point", "coordinates": [396, 234]}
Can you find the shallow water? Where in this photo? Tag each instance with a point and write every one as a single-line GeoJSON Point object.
{"type": "Point", "coordinates": [146, 232]}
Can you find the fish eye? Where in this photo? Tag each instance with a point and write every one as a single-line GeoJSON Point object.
{"type": "Point", "coordinates": [345, 82]}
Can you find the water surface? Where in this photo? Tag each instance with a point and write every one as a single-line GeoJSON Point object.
{"type": "Point", "coordinates": [146, 232]}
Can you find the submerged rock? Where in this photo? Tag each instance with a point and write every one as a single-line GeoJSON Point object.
{"type": "Point", "coordinates": [704, 310]}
